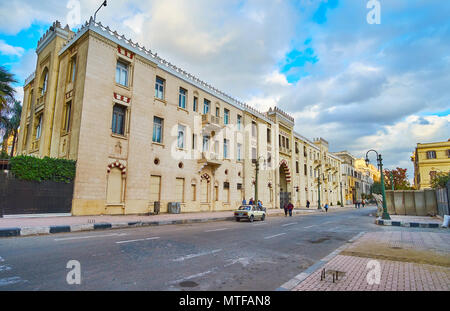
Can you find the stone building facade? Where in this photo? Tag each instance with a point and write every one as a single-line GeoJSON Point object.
{"type": "Point", "coordinates": [143, 131]}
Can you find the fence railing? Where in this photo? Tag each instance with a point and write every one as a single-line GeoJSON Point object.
{"type": "Point", "coordinates": [442, 198]}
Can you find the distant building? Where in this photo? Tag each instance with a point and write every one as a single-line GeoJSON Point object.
{"type": "Point", "coordinates": [430, 159]}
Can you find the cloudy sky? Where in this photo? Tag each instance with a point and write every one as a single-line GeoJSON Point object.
{"type": "Point", "coordinates": [358, 85]}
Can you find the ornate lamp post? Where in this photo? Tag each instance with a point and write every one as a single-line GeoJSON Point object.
{"type": "Point", "coordinates": [380, 165]}
{"type": "Point", "coordinates": [95, 14]}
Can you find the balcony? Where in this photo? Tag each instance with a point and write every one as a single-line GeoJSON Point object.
{"type": "Point", "coordinates": [40, 103]}
{"type": "Point", "coordinates": [211, 123]}
{"type": "Point", "coordinates": [285, 150]}
{"type": "Point", "coordinates": [211, 159]}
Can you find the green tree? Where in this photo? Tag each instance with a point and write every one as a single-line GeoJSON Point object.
{"type": "Point", "coordinates": [10, 125]}
{"type": "Point", "coordinates": [376, 187]}
{"type": "Point", "coordinates": [6, 89]}
{"type": "Point", "coordinates": [440, 180]}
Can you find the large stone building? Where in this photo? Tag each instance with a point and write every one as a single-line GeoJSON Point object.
{"type": "Point", "coordinates": [143, 130]}
{"type": "Point", "coordinates": [430, 159]}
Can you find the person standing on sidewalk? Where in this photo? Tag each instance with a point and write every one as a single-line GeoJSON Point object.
{"type": "Point", "coordinates": [307, 203]}
{"type": "Point", "coordinates": [326, 207]}
{"type": "Point", "coordinates": [244, 202]}
{"type": "Point", "coordinates": [290, 207]}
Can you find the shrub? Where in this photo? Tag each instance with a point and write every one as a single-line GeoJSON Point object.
{"type": "Point", "coordinates": [441, 180]}
{"type": "Point", "coordinates": [37, 169]}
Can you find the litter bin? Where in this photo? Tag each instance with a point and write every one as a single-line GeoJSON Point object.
{"type": "Point", "coordinates": [156, 207]}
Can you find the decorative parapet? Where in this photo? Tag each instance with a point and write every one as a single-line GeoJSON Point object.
{"type": "Point", "coordinates": [281, 112]}
{"type": "Point", "coordinates": [148, 54]}
{"type": "Point", "coordinates": [30, 78]}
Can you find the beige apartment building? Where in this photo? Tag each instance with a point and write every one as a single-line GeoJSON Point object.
{"type": "Point", "coordinates": [143, 131]}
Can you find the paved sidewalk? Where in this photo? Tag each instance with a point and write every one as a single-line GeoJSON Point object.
{"type": "Point", "coordinates": [47, 225]}
{"type": "Point", "coordinates": [411, 261]}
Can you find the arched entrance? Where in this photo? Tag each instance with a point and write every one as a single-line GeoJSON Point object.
{"type": "Point", "coordinates": [285, 179]}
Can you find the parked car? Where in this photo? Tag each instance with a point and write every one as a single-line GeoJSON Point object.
{"type": "Point", "coordinates": [250, 212]}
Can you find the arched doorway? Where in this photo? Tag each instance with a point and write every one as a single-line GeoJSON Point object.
{"type": "Point", "coordinates": [285, 178]}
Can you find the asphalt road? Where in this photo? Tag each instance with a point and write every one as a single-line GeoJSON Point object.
{"type": "Point", "coordinates": [224, 255]}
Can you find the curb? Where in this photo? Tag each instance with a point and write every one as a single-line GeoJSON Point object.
{"type": "Point", "coordinates": [289, 285]}
{"type": "Point", "coordinates": [383, 222]}
{"type": "Point", "coordinates": [29, 231]}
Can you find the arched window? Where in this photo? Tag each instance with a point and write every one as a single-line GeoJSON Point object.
{"type": "Point", "coordinates": [44, 81]}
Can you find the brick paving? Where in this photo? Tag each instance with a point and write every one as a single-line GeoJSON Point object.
{"type": "Point", "coordinates": [410, 261]}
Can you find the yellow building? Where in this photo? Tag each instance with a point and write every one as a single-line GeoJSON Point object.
{"type": "Point", "coordinates": [371, 170]}
{"type": "Point", "coordinates": [430, 159]}
{"type": "Point", "coordinates": [144, 130]}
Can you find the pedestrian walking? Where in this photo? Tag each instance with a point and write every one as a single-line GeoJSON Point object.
{"type": "Point", "coordinates": [290, 208]}
{"type": "Point", "coordinates": [244, 202]}
{"type": "Point", "coordinates": [307, 204]}
{"type": "Point", "coordinates": [363, 202]}
{"type": "Point", "coordinates": [285, 207]}
{"type": "Point", "coordinates": [251, 202]}
{"type": "Point", "coordinates": [356, 203]}
{"type": "Point", "coordinates": [326, 207]}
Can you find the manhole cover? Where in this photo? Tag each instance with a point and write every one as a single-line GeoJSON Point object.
{"type": "Point", "coordinates": [188, 284]}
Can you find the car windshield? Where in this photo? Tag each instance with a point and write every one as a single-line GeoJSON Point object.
{"type": "Point", "coordinates": [244, 208]}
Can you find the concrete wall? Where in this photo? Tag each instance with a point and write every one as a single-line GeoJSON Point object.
{"type": "Point", "coordinates": [411, 203]}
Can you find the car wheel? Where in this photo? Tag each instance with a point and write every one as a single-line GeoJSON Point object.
{"type": "Point", "coordinates": [263, 217]}
{"type": "Point", "coordinates": [238, 219]}
{"type": "Point", "coordinates": [251, 218]}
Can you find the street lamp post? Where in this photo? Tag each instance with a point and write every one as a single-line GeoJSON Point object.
{"type": "Point", "coordinates": [318, 187]}
{"type": "Point", "coordinates": [256, 177]}
{"type": "Point", "coordinates": [95, 14]}
{"type": "Point", "coordinates": [342, 199]}
{"type": "Point", "coordinates": [385, 215]}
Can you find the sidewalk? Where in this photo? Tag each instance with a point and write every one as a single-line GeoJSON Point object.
{"type": "Point", "coordinates": [47, 225]}
{"type": "Point", "coordinates": [411, 261]}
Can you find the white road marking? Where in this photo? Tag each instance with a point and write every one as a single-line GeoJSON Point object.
{"type": "Point", "coordinates": [1, 259]}
{"type": "Point", "coordinates": [11, 280]}
{"type": "Point", "coordinates": [292, 223]}
{"type": "Point", "coordinates": [91, 236]}
{"type": "Point", "coordinates": [197, 255]}
{"type": "Point", "coordinates": [273, 236]}
{"type": "Point", "coordinates": [309, 226]}
{"type": "Point", "coordinates": [138, 240]}
{"type": "Point", "coordinates": [4, 268]}
{"type": "Point", "coordinates": [214, 230]}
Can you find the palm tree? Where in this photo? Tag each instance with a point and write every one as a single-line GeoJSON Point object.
{"type": "Point", "coordinates": [10, 125]}
{"type": "Point", "coordinates": [6, 90]}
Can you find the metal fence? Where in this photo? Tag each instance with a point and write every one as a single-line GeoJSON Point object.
{"type": "Point", "coordinates": [442, 198]}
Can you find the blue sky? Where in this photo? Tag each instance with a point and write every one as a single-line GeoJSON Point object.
{"type": "Point", "coordinates": [359, 86]}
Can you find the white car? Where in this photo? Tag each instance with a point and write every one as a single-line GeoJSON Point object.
{"type": "Point", "coordinates": [250, 212]}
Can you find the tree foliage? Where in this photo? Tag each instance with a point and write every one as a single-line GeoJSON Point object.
{"type": "Point", "coordinates": [6, 89]}
{"type": "Point", "coordinates": [440, 181]}
{"type": "Point", "coordinates": [37, 169]}
{"type": "Point", "coordinates": [400, 179]}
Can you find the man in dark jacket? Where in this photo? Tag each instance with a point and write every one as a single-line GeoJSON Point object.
{"type": "Point", "coordinates": [290, 207]}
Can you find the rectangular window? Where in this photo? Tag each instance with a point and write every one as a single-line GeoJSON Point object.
{"type": "Point", "coordinates": [205, 143]}
{"type": "Point", "coordinates": [254, 155]}
{"type": "Point", "coordinates": [194, 141]}
{"type": "Point", "coordinates": [239, 122]}
{"type": "Point", "coordinates": [195, 104]}
{"type": "Point", "coordinates": [181, 136]}
{"type": "Point", "coordinates": [269, 159]}
{"type": "Point", "coordinates": [226, 116]}
{"type": "Point", "coordinates": [73, 69]}
{"type": "Point", "coordinates": [310, 171]}
{"type": "Point", "coordinates": [217, 112]}
{"type": "Point", "coordinates": [157, 130]}
{"type": "Point", "coordinates": [296, 148]}
{"type": "Point", "coordinates": [67, 113]}
{"type": "Point", "coordinates": [118, 120]}
{"type": "Point", "coordinates": [226, 191]}
{"type": "Point", "coordinates": [206, 104]}
{"type": "Point", "coordinates": [306, 170]}
{"type": "Point", "coordinates": [159, 88]}
{"type": "Point", "coordinates": [269, 136]}
{"type": "Point", "coordinates": [253, 129]}
{"type": "Point", "coordinates": [225, 148]}
{"type": "Point", "coordinates": [194, 192]}
{"type": "Point", "coordinates": [239, 148]}
{"type": "Point", "coordinates": [39, 127]}
{"type": "Point", "coordinates": [431, 154]}
{"type": "Point", "coordinates": [122, 73]}
{"type": "Point", "coordinates": [287, 143]}
{"type": "Point", "coordinates": [297, 169]}
{"type": "Point", "coordinates": [182, 98]}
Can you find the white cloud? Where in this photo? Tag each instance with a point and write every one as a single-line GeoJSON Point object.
{"type": "Point", "coordinates": [7, 49]}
